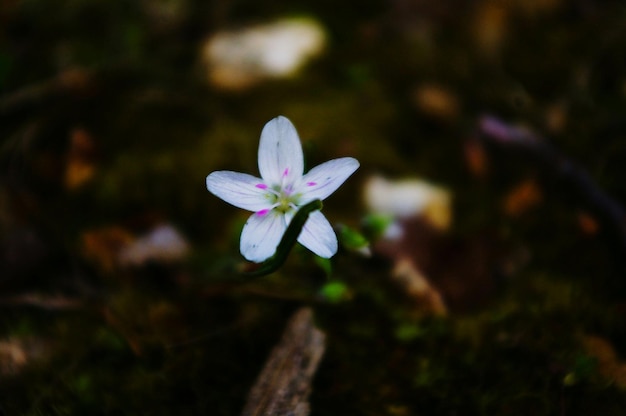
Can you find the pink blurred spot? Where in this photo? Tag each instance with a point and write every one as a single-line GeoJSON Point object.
{"type": "Point", "coordinates": [262, 212]}
{"type": "Point", "coordinates": [286, 172]}
{"type": "Point", "coordinates": [261, 186]}
{"type": "Point", "coordinates": [311, 183]}
{"type": "Point", "coordinates": [500, 131]}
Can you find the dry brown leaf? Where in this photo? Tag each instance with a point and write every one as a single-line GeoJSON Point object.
{"type": "Point", "coordinates": [522, 198]}
{"type": "Point", "coordinates": [436, 101]}
{"type": "Point", "coordinates": [476, 158]}
{"type": "Point", "coordinates": [490, 26]}
{"type": "Point", "coordinates": [609, 364]}
{"type": "Point", "coordinates": [17, 352]}
{"type": "Point", "coordinates": [103, 245]}
{"type": "Point", "coordinates": [77, 174]}
{"type": "Point", "coordinates": [587, 223]}
{"type": "Point", "coordinates": [80, 166]}
{"type": "Point", "coordinates": [75, 79]}
{"type": "Point", "coordinates": [12, 357]}
{"type": "Point", "coordinates": [163, 244]}
{"type": "Point", "coordinates": [115, 246]}
{"type": "Point", "coordinates": [417, 287]}
{"type": "Point", "coordinates": [556, 117]}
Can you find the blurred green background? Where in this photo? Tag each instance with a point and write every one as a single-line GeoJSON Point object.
{"type": "Point", "coordinates": [119, 282]}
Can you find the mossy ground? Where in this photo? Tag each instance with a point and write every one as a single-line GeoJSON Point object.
{"type": "Point", "coordinates": [184, 338]}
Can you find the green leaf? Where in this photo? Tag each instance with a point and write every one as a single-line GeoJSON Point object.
{"type": "Point", "coordinates": [377, 224]}
{"type": "Point", "coordinates": [353, 240]}
{"type": "Point", "coordinates": [408, 332]}
{"type": "Point", "coordinates": [335, 292]}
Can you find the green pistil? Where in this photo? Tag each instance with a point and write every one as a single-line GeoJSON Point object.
{"type": "Point", "coordinates": [284, 205]}
{"type": "Point", "coordinates": [283, 201]}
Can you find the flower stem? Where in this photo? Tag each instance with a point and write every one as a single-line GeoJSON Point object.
{"type": "Point", "coordinates": [288, 241]}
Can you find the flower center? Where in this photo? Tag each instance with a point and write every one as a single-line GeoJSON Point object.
{"type": "Point", "coordinates": [284, 205]}
{"type": "Point", "coordinates": [286, 200]}
{"type": "Point", "coordinates": [282, 197]}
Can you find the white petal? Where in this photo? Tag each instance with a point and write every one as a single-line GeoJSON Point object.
{"type": "Point", "coordinates": [318, 236]}
{"type": "Point", "coordinates": [261, 235]}
{"type": "Point", "coordinates": [280, 153]}
{"type": "Point", "coordinates": [239, 189]}
{"type": "Point", "coordinates": [324, 179]}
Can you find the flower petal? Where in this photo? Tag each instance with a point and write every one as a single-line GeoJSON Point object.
{"type": "Point", "coordinates": [239, 189]}
{"type": "Point", "coordinates": [261, 235]}
{"type": "Point", "coordinates": [324, 179]}
{"type": "Point", "coordinates": [280, 153]}
{"type": "Point", "coordinates": [318, 236]}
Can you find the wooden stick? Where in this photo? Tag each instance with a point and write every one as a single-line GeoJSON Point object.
{"type": "Point", "coordinates": [284, 385]}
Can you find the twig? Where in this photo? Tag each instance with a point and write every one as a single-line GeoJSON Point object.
{"type": "Point", "coordinates": [75, 80]}
{"type": "Point", "coordinates": [573, 179]}
{"type": "Point", "coordinates": [284, 385]}
{"type": "Point", "coordinates": [52, 303]}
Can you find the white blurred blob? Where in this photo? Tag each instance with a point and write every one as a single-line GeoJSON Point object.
{"type": "Point", "coordinates": [162, 244]}
{"type": "Point", "coordinates": [239, 59]}
{"type": "Point", "coordinates": [408, 198]}
{"type": "Point", "coordinates": [394, 231]}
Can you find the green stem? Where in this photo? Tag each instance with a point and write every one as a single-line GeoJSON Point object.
{"type": "Point", "coordinates": [288, 241]}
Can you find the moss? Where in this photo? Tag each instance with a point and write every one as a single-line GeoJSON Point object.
{"type": "Point", "coordinates": [190, 338]}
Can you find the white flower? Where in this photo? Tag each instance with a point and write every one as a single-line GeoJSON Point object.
{"type": "Point", "coordinates": [276, 197]}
